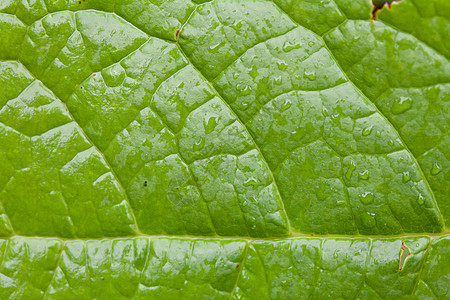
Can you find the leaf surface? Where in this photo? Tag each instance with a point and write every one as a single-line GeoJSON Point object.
{"type": "Point", "coordinates": [224, 149]}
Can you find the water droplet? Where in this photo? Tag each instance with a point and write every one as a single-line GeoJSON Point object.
{"type": "Point", "coordinates": [366, 198]}
{"type": "Point", "coordinates": [245, 203]}
{"type": "Point", "coordinates": [350, 170]}
{"type": "Point", "coordinates": [366, 131]}
{"type": "Point", "coordinates": [251, 182]}
{"type": "Point", "coordinates": [237, 25]}
{"type": "Point", "coordinates": [378, 134]}
{"type": "Point", "coordinates": [401, 105]}
{"type": "Point", "coordinates": [406, 177]}
{"type": "Point", "coordinates": [244, 106]}
{"type": "Point", "coordinates": [244, 89]}
{"type": "Point", "coordinates": [235, 75]}
{"type": "Point", "coordinates": [198, 145]}
{"type": "Point", "coordinates": [285, 105]}
{"type": "Point", "coordinates": [311, 43]}
{"type": "Point", "coordinates": [436, 169]}
{"type": "Point", "coordinates": [277, 80]}
{"type": "Point", "coordinates": [310, 75]}
{"type": "Point", "coordinates": [325, 111]}
{"type": "Point", "coordinates": [364, 175]}
{"type": "Point", "coordinates": [215, 48]}
{"type": "Point", "coordinates": [336, 117]}
{"type": "Point", "coordinates": [420, 199]}
{"type": "Point", "coordinates": [336, 254]}
{"type": "Point", "coordinates": [417, 244]}
{"type": "Point", "coordinates": [369, 219]}
{"type": "Point", "coordinates": [282, 65]}
{"type": "Point", "coordinates": [253, 71]}
{"type": "Point", "coordinates": [210, 124]}
{"type": "Point", "coordinates": [390, 142]}
{"type": "Point", "coordinates": [288, 46]}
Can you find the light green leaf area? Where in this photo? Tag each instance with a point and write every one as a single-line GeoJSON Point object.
{"type": "Point", "coordinates": [224, 149]}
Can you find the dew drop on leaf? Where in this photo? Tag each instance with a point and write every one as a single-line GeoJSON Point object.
{"type": "Point", "coordinates": [243, 89]}
{"type": "Point", "coordinates": [244, 106]}
{"type": "Point", "coordinates": [340, 202]}
{"type": "Point", "coordinates": [406, 177]}
{"type": "Point", "coordinates": [336, 117]}
{"type": "Point", "coordinates": [277, 80]}
{"type": "Point", "coordinates": [210, 124]}
{"type": "Point", "coordinates": [420, 199]}
{"type": "Point", "coordinates": [199, 144]}
{"type": "Point", "coordinates": [366, 131]}
{"type": "Point", "coordinates": [251, 182]}
{"type": "Point", "coordinates": [253, 72]}
{"type": "Point", "coordinates": [237, 25]}
{"type": "Point", "coordinates": [436, 169]}
{"type": "Point", "coordinates": [401, 105]}
{"type": "Point", "coordinates": [215, 48]}
{"type": "Point", "coordinates": [350, 170]}
{"type": "Point", "coordinates": [311, 75]}
{"type": "Point", "coordinates": [286, 105]}
{"type": "Point", "coordinates": [364, 175]}
{"type": "Point", "coordinates": [282, 65]}
{"type": "Point", "coordinates": [366, 198]}
{"type": "Point", "coordinates": [369, 219]}
{"type": "Point", "coordinates": [288, 46]}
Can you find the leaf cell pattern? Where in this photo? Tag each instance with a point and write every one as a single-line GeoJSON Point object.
{"type": "Point", "coordinates": [175, 148]}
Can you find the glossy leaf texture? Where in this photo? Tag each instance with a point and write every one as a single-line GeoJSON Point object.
{"type": "Point", "coordinates": [224, 149]}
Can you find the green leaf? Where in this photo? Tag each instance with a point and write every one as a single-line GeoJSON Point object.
{"type": "Point", "coordinates": [224, 149]}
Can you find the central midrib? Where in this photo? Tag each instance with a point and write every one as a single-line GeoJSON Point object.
{"type": "Point", "coordinates": [294, 236]}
